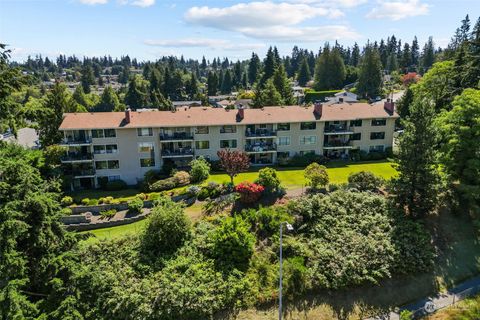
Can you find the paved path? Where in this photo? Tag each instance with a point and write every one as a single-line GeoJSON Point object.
{"type": "Point", "coordinates": [440, 300]}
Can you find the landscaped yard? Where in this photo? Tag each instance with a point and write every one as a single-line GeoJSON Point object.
{"type": "Point", "coordinates": [292, 178]}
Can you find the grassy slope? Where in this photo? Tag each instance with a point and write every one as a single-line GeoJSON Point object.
{"type": "Point", "coordinates": [292, 178]}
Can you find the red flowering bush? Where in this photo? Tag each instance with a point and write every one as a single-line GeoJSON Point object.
{"type": "Point", "coordinates": [249, 192]}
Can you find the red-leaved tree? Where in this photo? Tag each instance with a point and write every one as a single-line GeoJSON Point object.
{"type": "Point", "coordinates": [233, 162]}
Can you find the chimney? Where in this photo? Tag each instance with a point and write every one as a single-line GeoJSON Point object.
{"type": "Point", "coordinates": [240, 113]}
{"type": "Point", "coordinates": [127, 115]}
{"type": "Point", "coordinates": [389, 106]}
{"type": "Point", "coordinates": [317, 108]}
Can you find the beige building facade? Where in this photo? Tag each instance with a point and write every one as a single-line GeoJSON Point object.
{"type": "Point", "coordinates": [124, 145]}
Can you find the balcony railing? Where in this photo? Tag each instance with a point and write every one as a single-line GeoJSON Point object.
{"type": "Point", "coordinates": [260, 147]}
{"type": "Point", "coordinates": [77, 140]}
{"type": "Point", "coordinates": [260, 133]}
{"type": "Point", "coordinates": [77, 157]}
{"type": "Point", "coordinates": [80, 173]}
{"type": "Point", "coordinates": [176, 136]}
{"type": "Point", "coordinates": [338, 129]}
{"type": "Point", "coordinates": [177, 152]}
{"type": "Point", "coordinates": [335, 144]}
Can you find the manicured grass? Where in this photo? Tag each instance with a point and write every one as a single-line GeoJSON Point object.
{"type": "Point", "coordinates": [292, 178]}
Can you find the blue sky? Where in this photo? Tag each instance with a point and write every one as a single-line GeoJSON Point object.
{"type": "Point", "coordinates": [148, 29]}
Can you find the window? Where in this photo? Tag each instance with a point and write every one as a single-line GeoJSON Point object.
{"type": "Point", "coordinates": [202, 144]}
{"type": "Point", "coordinates": [377, 135]}
{"type": "Point", "coordinates": [379, 122]}
{"type": "Point", "coordinates": [379, 148]}
{"type": "Point", "coordinates": [113, 164]}
{"type": "Point", "coordinates": [104, 133]}
{"type": "Point", "coordinates": [283, 141]}
{"type": "Point", "coordinates": [202, 130]}
{"type": "Point", "coordinates": [110, 133]}
{"type": "Point", "coordinates": [356, 123]}
{"type": "Point", "coordinates": [228, 129]}
{"type": "Point", "coordinates": [308, 126]}
{"type": "Point", "coordinates": [283, 155]}
{"type": "Point", "coordinates": [356, 136]}
{"type": "Point", "coordinates": [144, 132]}
{"type": "Point", "coordinates": [308, 140]}
{"type": "Point", "coordinates": [99, 149]}
{"type": "Point", "coordinates": [100, 165]}
{"type": "Point", "coordinates": [147, 162]}
{"type": "Point", "coordinates": [145, 147]}
{"type": "Point", "coordinates": [228, 143]}
{"type": "Point", "coordinates": [111, 148]}
{"type": "Point", "coordinates": [97, 133]}
{"type": "Point", "coordinates": [114, 178]}
{"type": "Point", "coordinates": [283, 127]}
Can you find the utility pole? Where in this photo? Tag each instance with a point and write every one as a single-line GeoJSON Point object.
{"type": "Point", "coordinates": [289, 228]}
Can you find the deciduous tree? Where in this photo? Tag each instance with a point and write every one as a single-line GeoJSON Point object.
{"type": "Point", "coordinates": [233, 162]}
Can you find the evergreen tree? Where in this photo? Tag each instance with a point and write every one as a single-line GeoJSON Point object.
{"type": "Point", "coordinates": [415, 52]}
{"type": "Point", "coordinates": [253, 68]}
{"type": "Point", "coordinates": [203, 65]}
{"type": "Point", "coordinates": [416, 185]}
{"type": "Point", "coordinates": [392, 63]}
{"type": "Point", "coordinates": [88, 78]}
{"type": "Point", "coordinates": [237, 77]}
{"type": "Point", "coordinates": [329, 70]}
{"type": "Point", "coordinates": [109, 101]}
{"type": "Point", "coordinates": [406, 58]}
{"type": "Point", "coordinates": [212, 83]}
{"type": "Point", "coordinates": [304, 73]}
{"type": "Point", "coordinates": [124, 75]}
{"type": "Point", "coordinates": [227, 83]}
{"type": "Point", "coordinates": [159, 101]}
{"type": "Point", "coordinates": [136, 96]}
{"type": "Point", "coordinates": [404, 103]}
{"type": "Point", "coordinates": [267, 96]}
{"type": "Point", "coordinates": [192, 86]}
{"type": "Point", "coordinates": [282, 84]}
{"type": "Point", "coordinates": [270, 64]}
{"type": "Point", "coordinates": [355, 57]}
{"type": "Point", "coordinates": [370, 77]}
{"type": "Point", "coordinates": [428, 55]}
{"type": "Point", "coordinates": [472, 74]}
{"type": "Point", "coordinates": [80, 97]}
{"type": "Point", "coordinates": [50, 118]}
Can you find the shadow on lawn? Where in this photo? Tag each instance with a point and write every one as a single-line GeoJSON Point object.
{"type": "Point", "coordinates": [458, 258]}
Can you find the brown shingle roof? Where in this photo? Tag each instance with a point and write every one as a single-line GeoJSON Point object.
{"type": "Point", "coordinates": [219, 116]}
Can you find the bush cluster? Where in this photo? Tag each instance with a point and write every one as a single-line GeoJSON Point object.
{"type": "Point", "coordinates": [249, 192]}
{"type": "Point", "coordinates": [135, 206]}
{"type": "Point", "coordinates": [66, 201]}
{"type": "Point", "coordinates": [199, 170]}
{"type": "Point", "coordinates": [107, 214]}
{"type": "Point", "coordinates": [179, 179]}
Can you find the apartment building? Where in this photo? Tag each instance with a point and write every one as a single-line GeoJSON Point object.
{"type": "Point", "coordinates": [124, 145]}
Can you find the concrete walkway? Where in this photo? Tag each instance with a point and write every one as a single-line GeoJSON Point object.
{"type": "Point", "coordinates": [440, 300]}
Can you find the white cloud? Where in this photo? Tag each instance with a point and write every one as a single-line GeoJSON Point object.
{"type": "Point", "coordinates": [204, 43]}
{"type": "Point", "coordinates": [93, 2]}
{"type": "Point", "coordinates": [143, 3]}
{"type": "Point", "coordinates": [303, 34]}
{"type": "Point", "coordinates": [397, 10]}
{"type": "Point", "coordinates": [333, 3]}
{"type": "Point", "coordinates": [273, 21]}
{"type": "Point", "coordinates": [258, 14]}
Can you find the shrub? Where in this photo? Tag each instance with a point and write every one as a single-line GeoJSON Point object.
{"type": "Point", "coordinates": [66, 201]}
{"type": "Point", "coordinates": [142, 196]}
{"type": "Point", "coordinates": [267, 177]}
{"type": "Point", "coordinates": [115, 185]}
{"type": "Point", "coordinates": [107, 214]}
{"type": "Point", "coordinates": [249, 192]}
{"type": "Point", "coordinates": [93, 202]}
{"type": "Point", "coordinates": [182, 178]}
{"type": "Point", "coordinates": [135, 206]}
{"type": "Point", "coordinates": [193, 191]}
{"type": "Point", "coordinates": [101, 200]}
{"type": "Point", "coordinates": [107, 200]}
{"type": "Point", "coordinates": [154, 196]}
{"type": "Point", "coordinates": [150, 176]}
{"type": "Point", "coordinates": [365, 181]}
{"type": "Point", "coordinates": [200, 169]}
{"type": "Point", "coordinates": [162, 185]}
{"type": "Point", "coordinates": [66, 211]}
{"type": "Point", "coordinates": [316, 175]}
{"type": "Point", "coordinates": [266, 220]}
{"type": "Point", "coordinates": [232, 243]}
{"type": "Point", "coordinates": [216, 206]}
{"type": "Point", "coordinates": [168, 166]}
{"type": "Point", "coordinates": [167, 229]}
{"type": "Point", "coordinates": [406, 315]}
{"type": "Point", "coordinates": [85, 201]}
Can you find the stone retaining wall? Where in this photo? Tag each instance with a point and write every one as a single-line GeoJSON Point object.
{"type": "Point", "coordinates": [106, 224]}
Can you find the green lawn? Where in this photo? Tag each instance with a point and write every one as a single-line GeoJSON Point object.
{"type": "Point", "coordinates": [292, 178]}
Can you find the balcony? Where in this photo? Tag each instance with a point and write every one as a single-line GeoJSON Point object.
{"type": "Point", "coordinates": [177, 153]}
{"type": "Point", "coordinates": [78, 173]}
{"type": "Point", "coordinates": [331, 145]}
{"type": "Point", "coordinates": [261, 148]}
{"type": "Point", "coordinates": [337, 129]}
{"type": "Point", "coordinates": [77, 157]}
{"type": "Point", "coordinates": [176, 136]}
{"type": "Point", "coordinates": [76, 141]}
{"type": "Point", "coordinates": [260, 133]}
